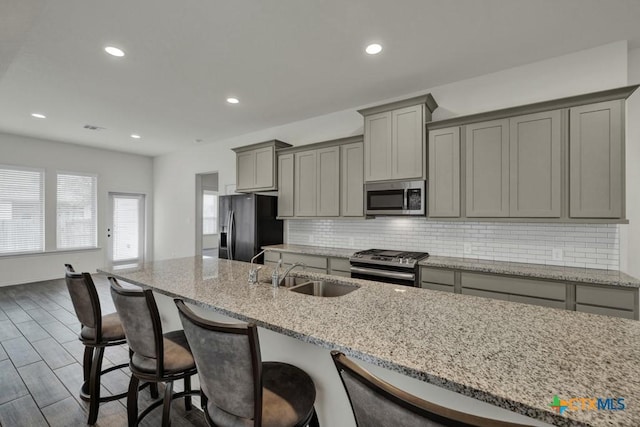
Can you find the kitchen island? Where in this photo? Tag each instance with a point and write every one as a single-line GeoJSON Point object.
{"type": "Point", "coordinates": [514, 356]}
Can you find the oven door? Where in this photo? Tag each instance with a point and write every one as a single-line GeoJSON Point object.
{"type": "Point", "coordinates": [396, 276]}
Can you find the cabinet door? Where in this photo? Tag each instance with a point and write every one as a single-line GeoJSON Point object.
{"type": "Point", "coordinates": [245, 170]}
{"type": "Point", "coordinates": [305, 183]}
{"type": "Point", "coordinates": [285, 185]}
{"type": "Point", "coordinates": [534, 147]}
{"type": "Point", "coordinates": [352, 176]}
{"type": "Point", "coordinates": [595, 161]}
{"type": "Point", "coordinates": [377, 147]}
{"type": "Point", "coordinates": [444, 173]}
{"type": "Point", "coordinates": [264, 168]}
{"type": "Point", "coordinates": [407, 143]}
{"type": "Point", "coordinates": [487, 169]}
{"type": "Point", "coordinates": [328, 182]}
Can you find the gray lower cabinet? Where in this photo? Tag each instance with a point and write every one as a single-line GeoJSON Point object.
{"type": "Point", "coordinates": [542, 289]}
{"type": "Point", "coordinates": [487, 169]}
{"type": "Point", "coordinates": [596, 163]}
{"type": "Point", "coordinates": [603, 300]}
{"type": "Point", "coordinates": [313, 263]}
{"type": "Point", "coordinates": [271, 258]}
{"type": "Point", "coordinates": [340, 267]}
{"type": "Point", "coordinates": [285, 185]}
{"type": "Point", "coordinates": [437, 279]}
{"type": "Point", "coordinates": [305, 183]}
{"type": "Point", "coordinates": [444, 173]}
{"type": "Point", "coordinates": [352, 179]}
{"type": "Point", "coordinates": [535, 165]}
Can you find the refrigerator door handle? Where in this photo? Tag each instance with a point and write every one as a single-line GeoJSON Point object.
{"type": "Point", "coordinates": [231, 239]}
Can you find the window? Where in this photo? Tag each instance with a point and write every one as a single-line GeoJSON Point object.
{"type": "Point", "coordinates": [209, 212]}
{"type": "Point", "coordinates": [76, 208]}
{"type": "Point", "coordinates": [21, 210]}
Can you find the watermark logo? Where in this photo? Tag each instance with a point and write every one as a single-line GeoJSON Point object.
{"type": "Point", "coordinates": [587, 404]}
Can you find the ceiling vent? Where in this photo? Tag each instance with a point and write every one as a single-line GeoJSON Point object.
{"type": "Point", "coordinates": [92, 127]}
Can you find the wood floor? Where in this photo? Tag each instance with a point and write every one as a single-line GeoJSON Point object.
{"type": "Point", "coordinates": [41, 363]}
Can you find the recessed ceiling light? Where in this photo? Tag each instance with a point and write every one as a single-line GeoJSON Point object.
{"type": "Point", "coordinates": [111, 50]}
{"type": "Point", "coordinates": [373, 49]}
{"type": "Point", "coordinates": [38, 116]}
{"type": "Point", "coordinates": [135, 136]}
{"type": "Point", "coordinates": [233, 100]}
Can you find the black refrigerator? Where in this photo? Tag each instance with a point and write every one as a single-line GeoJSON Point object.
{"type": "Point", "coordinates": [246, 223]}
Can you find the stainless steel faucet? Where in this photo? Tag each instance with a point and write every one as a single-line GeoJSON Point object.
{"type": "Point", "coordinates": [253, 273]}
{"type": "Point", "coordinates": [286, 272]}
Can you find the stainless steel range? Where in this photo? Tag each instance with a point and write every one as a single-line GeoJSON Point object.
{"type": "Point", "coordinates": [398, 267]}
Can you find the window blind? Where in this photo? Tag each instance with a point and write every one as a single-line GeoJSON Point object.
{"type": "Point", "coordinates": [209, 213]}
{"type": "Point", "coordinates": [76, 211]}
{"type": "Point", "coordinates": [126, 228]}
{"type": "Point", "coordinates": [21, 210]}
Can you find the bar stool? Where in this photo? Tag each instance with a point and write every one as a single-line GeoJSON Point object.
{"type": "Point", "coordinates": [97, 332]}
{"type": "Point", "coordinates": [238, 389]}
{"type": "Point", "coordinates": [153, 356]}
{"type": "Point", "coordinates": [376, 403]}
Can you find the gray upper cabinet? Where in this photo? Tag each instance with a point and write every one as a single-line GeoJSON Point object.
{"type": "Point", "coordinates": [535, 151]}
{"type": "Point", "coordinates": [444, 173]}
{"type": "Point", "coordinates": [285, 185]}
{"type": "Point", "coordinates": [378, 134]}
{"type": "Point", "coordinates": [352, 179]}
{"type": "Point", "coordinates": [328, 181]}
{"type": "Point", "coordinates": [487, 169]}
{"type": "Point", "coordinates": [305, 183]}
{"type": "Point", "coordinates": [394, 139]}
{"type": "Point", "coordinates": [407, 143]}
{"type": "Point", "coordinates": [596, 163]}
{"type": "Point", "coordinates": [256, 166]}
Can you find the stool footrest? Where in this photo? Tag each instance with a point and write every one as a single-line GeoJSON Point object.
{"type": "Point", "coordinates": [160, 401]}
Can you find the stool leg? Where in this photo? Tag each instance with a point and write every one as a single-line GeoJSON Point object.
{"type": "Point", "coordinates": [86, 368]}
{"type": "Point", "coordinates": [314, 419]}
{"type": "Point", "coordinates": [132, 401]}
{"type": "Point", "coordinates": [187, 399]}
{"type": "Point", "coordinates": [166, 405]}
{"type": "Point", "coordinates": [153, 390]}
{"type": "Point", "coordinates": [94, 385]}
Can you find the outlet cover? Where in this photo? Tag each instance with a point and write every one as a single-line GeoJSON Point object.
{"type": "Point", "coordinates": [468, 248]}
{"type": "Point", "coordinates": [556, 254]}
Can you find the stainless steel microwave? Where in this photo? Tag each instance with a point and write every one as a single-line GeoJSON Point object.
{"type": "Point", "coordinates": [395, 198]}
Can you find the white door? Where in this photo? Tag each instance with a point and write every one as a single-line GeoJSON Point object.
{"type": "Point", "coordinates": [126, 229]}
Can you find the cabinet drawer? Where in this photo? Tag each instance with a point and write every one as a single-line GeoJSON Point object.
{"type": "Point", "coordinates": [310, 261]}
{"type": "Point", "coordinates": [340, 264]}
{"type": "Point", "coordinates": [436, 287]}
{"type": "Point", "coordinates": [538, 301]}
{"type": "Point", "coordinates": [271, 256]}
{"type": "Point", "coordinates": [486, 294]}
{"type": "Point", "coordinates": [604, 311]}
{"type": "Point", "coordinates": [607, 297]}
{"type": "Point", "coordinates": [515, 285]}
{"type": "Point", "coordinates": [434, 275]}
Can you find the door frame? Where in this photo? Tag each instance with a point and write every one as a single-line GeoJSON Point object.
{"type": "Point", "coordinates": [142, 218]}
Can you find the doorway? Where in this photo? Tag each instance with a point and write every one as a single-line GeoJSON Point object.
{"type": "Point", "coordinates": [126, 229]}
{"type": "Point", "coordinates": [207, 214]}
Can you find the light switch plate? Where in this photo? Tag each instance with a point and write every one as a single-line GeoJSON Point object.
{"type": "Point", "coordinates": [468, 248]}
{"type": "Point", "coordinates": [556, 254]}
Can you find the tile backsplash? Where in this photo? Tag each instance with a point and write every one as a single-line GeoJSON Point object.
{"type": "Point", "coordinates": [574, 245]}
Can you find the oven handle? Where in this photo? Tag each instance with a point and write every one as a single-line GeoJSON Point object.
{"type": "Point", "coordinates": [383, 273]}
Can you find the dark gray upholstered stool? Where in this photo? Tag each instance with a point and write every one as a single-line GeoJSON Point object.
{"type": "Point", "coordinates": [154, 356]}
{"type": "Point", "coordinates": [238, 389]}
{"type": "Point", "coordinates": [97, 332]}
{"type": "Point", "coordinates": [376, 403]}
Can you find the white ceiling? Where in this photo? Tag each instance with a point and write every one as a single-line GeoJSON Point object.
{"type": "Point", "coordinates": [286, 60]}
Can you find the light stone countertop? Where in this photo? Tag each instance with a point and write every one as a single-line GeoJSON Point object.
{"type": "Point", "coordinates": [515, 356]}
{"type": "Point", "coordinates": [539, 271]}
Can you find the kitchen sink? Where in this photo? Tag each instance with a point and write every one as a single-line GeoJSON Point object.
{"type": "Point", "coordinates": [323, 288]}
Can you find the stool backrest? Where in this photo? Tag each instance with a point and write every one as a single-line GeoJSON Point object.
{"type": "Point", "coordinates": [140, 320]}
{"type": "Point", "coordinates": [229, 365]}
{"type": "Point", "coordinates": [84, 297]}
{"type": "Point", "coordinates": [376, 403]}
